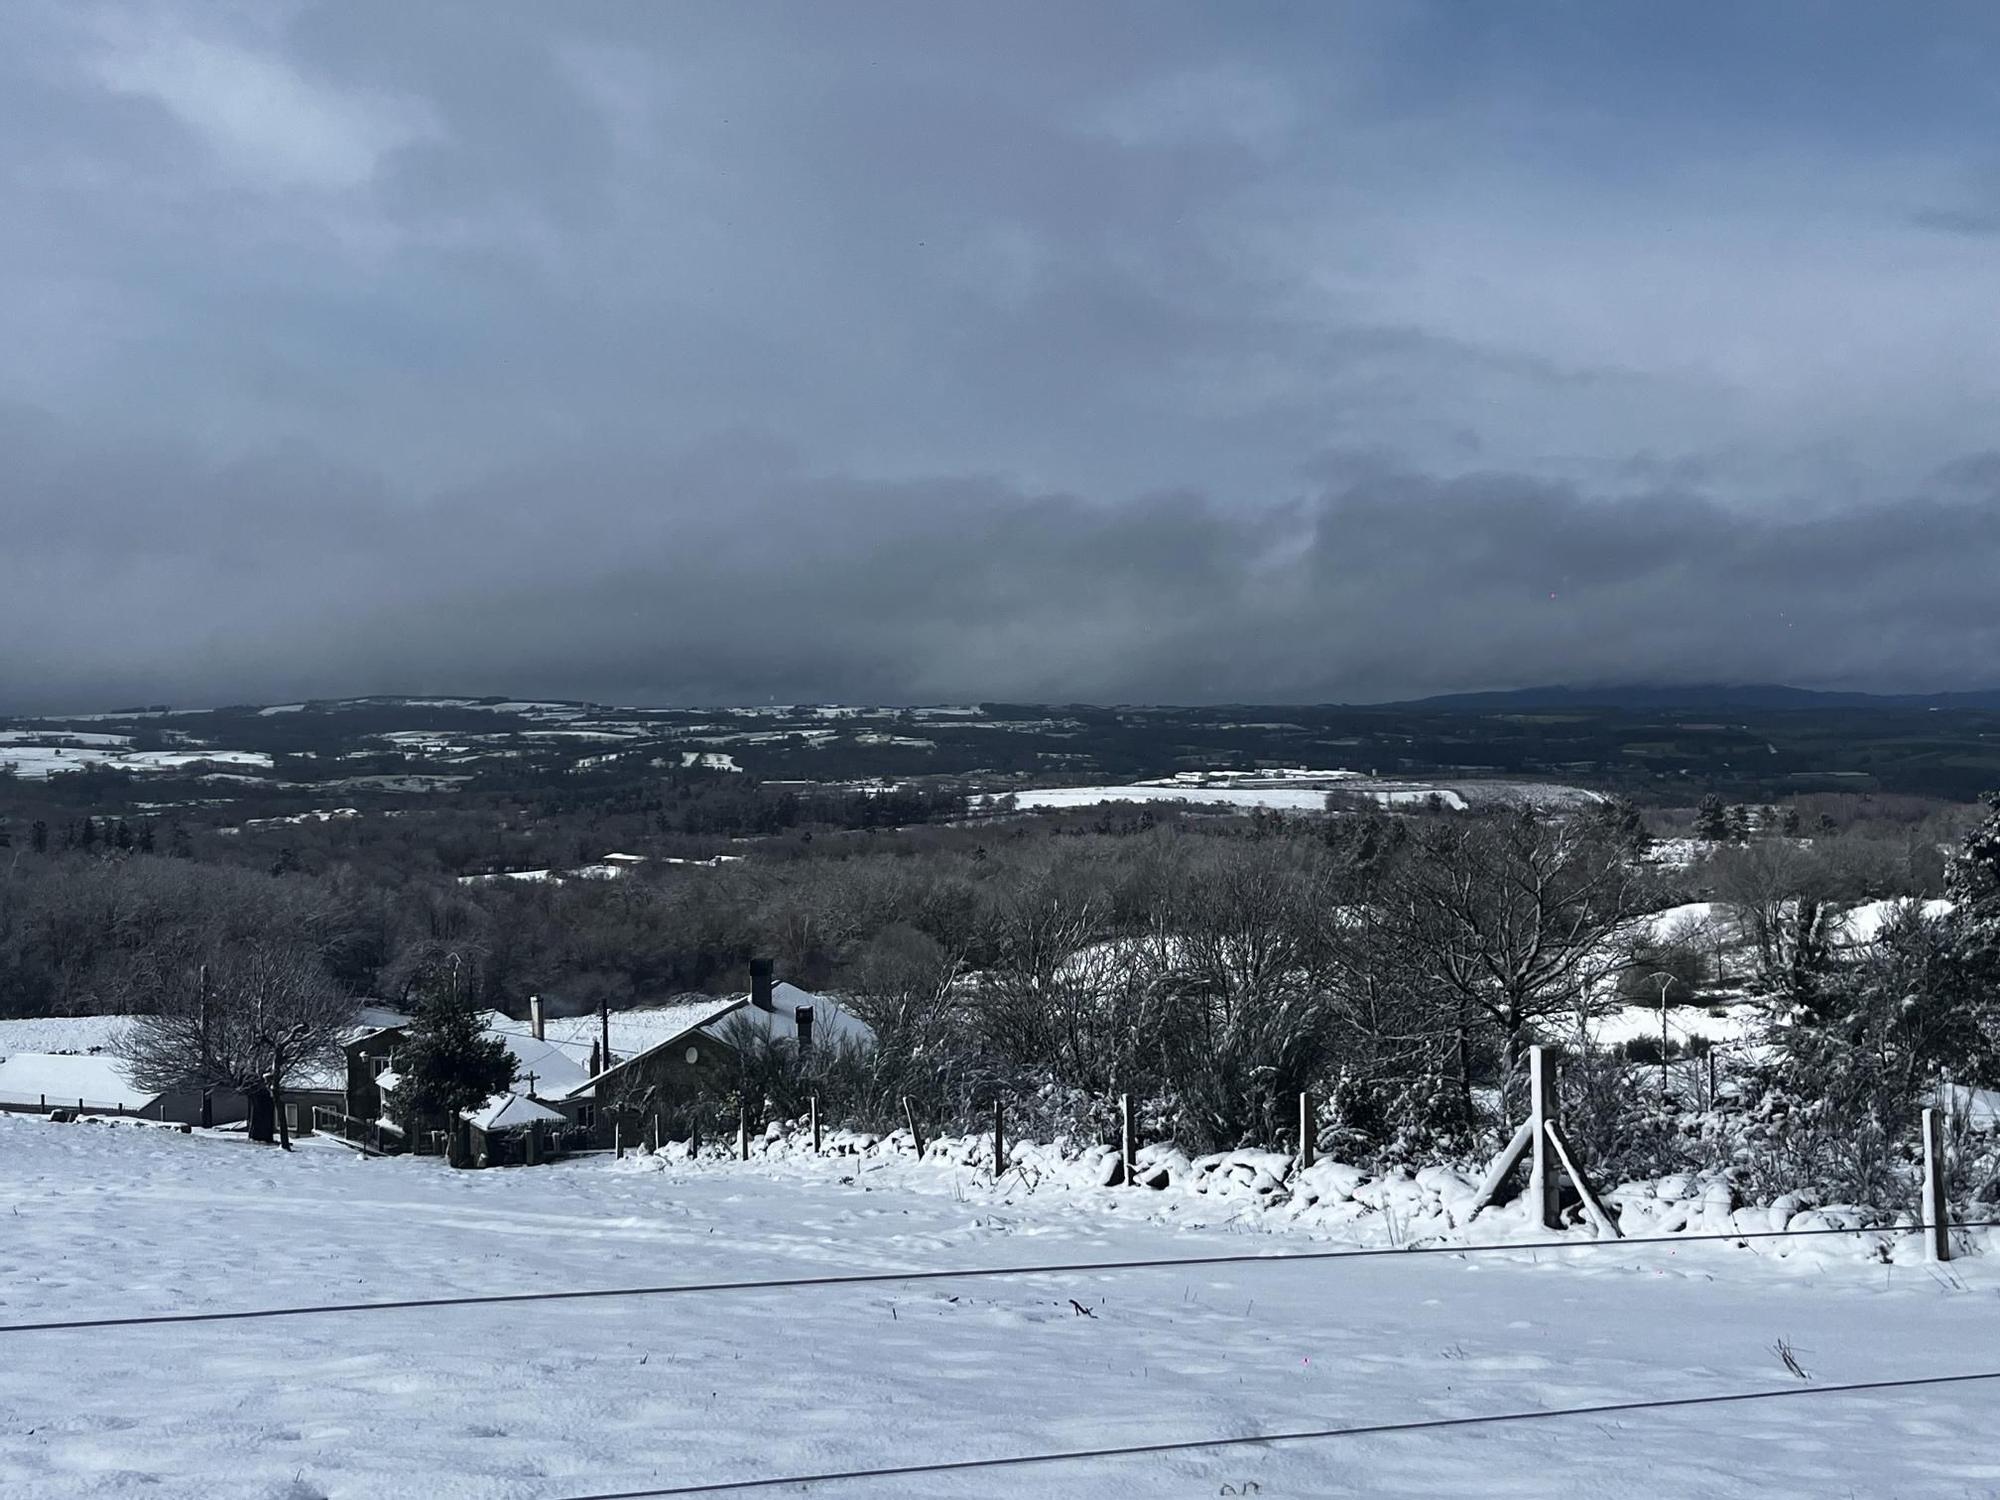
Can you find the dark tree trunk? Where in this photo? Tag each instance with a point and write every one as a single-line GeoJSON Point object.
{"type": "Point", "coordinates": [278, 1113]}
{"type": "Point", "coordinates": [262, 1124]}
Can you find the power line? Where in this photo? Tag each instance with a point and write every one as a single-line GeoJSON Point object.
{"type": "Point", "coordinates": [956, 1273]}
{"type": "Point", "coordinates": [1271, 1439]}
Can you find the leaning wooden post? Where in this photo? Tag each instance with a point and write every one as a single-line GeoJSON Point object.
{"type": "Point", "coordinates": [999, 1140]}
{"type": "Point", "coordinates": [743, 1131]}
{"type": "Point", "coordinates": [1128, 1142]}
{"type": "Point", "coordinates": [1544, 1188]}
{"type": "Point", "coordinates": [618, 1139]}
{"type": "Point", "coordinates": [1936, 1211]}
{"type": "Point", "coordinates": [916, 1131]}
{"type": "Point", "coordinates": [1308, 1134]}
{"type": "Point", "coordinates": [694, 1136]}
{"type": "Point", "coordinates": [815, 1123]}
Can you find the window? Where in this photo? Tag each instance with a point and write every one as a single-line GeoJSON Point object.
{"type": "Point", "coordinates": [586, 1116]}
{"type": "Point", "coordinates": [803, 1017]}
{"type": "Point", "coordinates": [292, 1117]}
{"type": "Point", "coordinates": [379, 1065]}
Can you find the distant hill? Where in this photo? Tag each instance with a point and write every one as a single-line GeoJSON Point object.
{"type": "Point", "coordinates": [1644, 698]}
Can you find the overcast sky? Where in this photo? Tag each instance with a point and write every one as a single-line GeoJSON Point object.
{"type": "Point", "coordinates": [905, 351]}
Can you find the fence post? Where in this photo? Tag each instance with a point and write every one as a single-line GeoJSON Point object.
{"type": "Point", "coordinates": [916, 1131]}
{"type": "Point", "coordinates": [815, 1123]}
{"type": "Point", "coordinates": [618, 1140]}
{"type": "Point", "coordinates": [694, 1136]}
{"type": "Point", "coordinates": [743, 1130]}
{"type": "Point", "coordinates": [1936, 1210]}
{"type": "Point", "coordinates": [1308, 1135]}
{"type": "Point", "coordinates": [1128, 1145]}
{"type": "Point", "coordinates": [999, 1140]}
{"type": "Point", "coordinates": [1544, 1189]}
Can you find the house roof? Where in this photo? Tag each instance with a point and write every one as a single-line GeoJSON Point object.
{"type": "Point", "coordinates": [561, 1063]}
{"type": "Point", "coordinates": [99, 1080]}
{"type": "Point", "coordinates": [675, 1024]}
{"type": "Point", "coordinates": [509, 1112]}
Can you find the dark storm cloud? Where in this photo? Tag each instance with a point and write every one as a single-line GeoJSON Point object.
{"type": "Point", "coordinates": [1108, 351]}
{"type": "Point", "coordinates": [788, 585]}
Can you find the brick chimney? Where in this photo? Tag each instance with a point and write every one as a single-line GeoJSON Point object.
{"type": "Point", "coordinates": [760, 984]}
{"type": "Point", "coordinates": [535, 1018]}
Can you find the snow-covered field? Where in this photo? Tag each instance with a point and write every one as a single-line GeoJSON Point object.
{"type": "Point", "coordinates": [532, 1401]}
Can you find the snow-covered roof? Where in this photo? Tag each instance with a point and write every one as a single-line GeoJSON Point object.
{"type": "Point", "coordinates": [633, 1033]}
{"type": "Point", "coordinates": [510, 1112]}
{"type": "Point", "coordinates": [99, 1080]}
{"type": "Point", "coordinates": [373, 1018]}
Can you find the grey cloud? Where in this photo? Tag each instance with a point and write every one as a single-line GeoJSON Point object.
{"type": "Point", "coordinates": [788, 584]}
{"type": "Point", "coordinates": [1118, 350]}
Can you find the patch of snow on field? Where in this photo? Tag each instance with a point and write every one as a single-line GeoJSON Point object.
{"type": "Point", "coordinates": [1211, 796]}
{"type": "Point", "coordinates": [529, 1401]}
{"type": "Point", "coordinates": [61, 1033]}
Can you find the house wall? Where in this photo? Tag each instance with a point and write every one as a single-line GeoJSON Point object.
{"type": "Point", "coordinates": [662, 1085]}
{"type": "Point", "coordinates": [363, 1099]}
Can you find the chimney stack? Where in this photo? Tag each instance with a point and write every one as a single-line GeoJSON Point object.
{"type": "Point", "coordinates": [760, 983]}
{"type": "Point", "coordinates": [535, 1018]}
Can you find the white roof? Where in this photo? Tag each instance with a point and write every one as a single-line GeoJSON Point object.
{"type": "Point", "coordinates": [99, 1080]}
{"type": "Point", "coordinates": [509, 1112]}
{"type": "Point", "coordinates": [569, 1039]}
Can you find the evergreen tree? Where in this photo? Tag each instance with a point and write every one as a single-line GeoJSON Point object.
{"type": "Point", "coordinates": [146, 838]}
{"type": "Point", "coordinates": [448, 1064]}
{"type": "Point", "coordinates": [1972, 880]}
{"type": "Point", "coordinates": [87, 840]}
{"type": "Point", "coordinates": [38, 837]}
{"type": "Point", "coordinates": [1790, 823]}
{"type": "Point", "coordinates": [1710, 821]}
{"type": "Point", "coordinates": [1737, 823]}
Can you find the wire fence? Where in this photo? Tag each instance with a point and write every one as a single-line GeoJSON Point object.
{"type": "Point", "coordinates": [971, 1273]}
{"type": "Point", "coordinates": [1276, 1439]}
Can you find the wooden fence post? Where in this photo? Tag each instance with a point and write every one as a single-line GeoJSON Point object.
{"type": "Point", "coordinates": [916, 1131]}
{"type": "Point", "coordinates": [743, 1130]}
{"type": "Point", "coordinates": [694, 1136]}
{"type": "Point", "coordinates": [1544, 1188]}
{"type": "Point", "coordinates": [815, 1123]}
{"type": "Point", "coordinates": [618, 1139]}
{"type": "Point", "coordinates": [999, 1140]}
{"type": "Point", "coordinates": [1936, 1208]}
{"type": "Point", "coordinates": [1128, 1143]}
{"type": "Point", "coordinates": [1308, 1132]}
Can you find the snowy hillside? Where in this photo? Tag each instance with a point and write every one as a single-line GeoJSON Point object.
{"type": "Point", "coordinates": [540, 1400]}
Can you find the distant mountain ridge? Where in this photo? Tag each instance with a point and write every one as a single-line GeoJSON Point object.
{"type": "Point", "coordinates": [1649, 698]}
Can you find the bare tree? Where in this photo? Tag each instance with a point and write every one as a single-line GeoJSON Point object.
{"type": "Point", "coordinates": [1518, 918]}
{"type": "Point", "coordinates": [256, 1019]}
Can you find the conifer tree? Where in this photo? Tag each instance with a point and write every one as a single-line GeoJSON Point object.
{"type": "Point", "coordinates": [1710, 821]}
{"type": "Point", "coordinates": [448, 1063]}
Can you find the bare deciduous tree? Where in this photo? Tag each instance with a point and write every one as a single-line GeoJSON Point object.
{"type": "Point", "coordinates": [1516, 917]}
{"type": "Point", "coordinates": [256, 1019]}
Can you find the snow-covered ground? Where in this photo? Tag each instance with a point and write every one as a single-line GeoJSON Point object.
{"type": "Point", "coordinates": [60, 1033]}
{"type": "Point", "coordinates": [532, 1401]}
